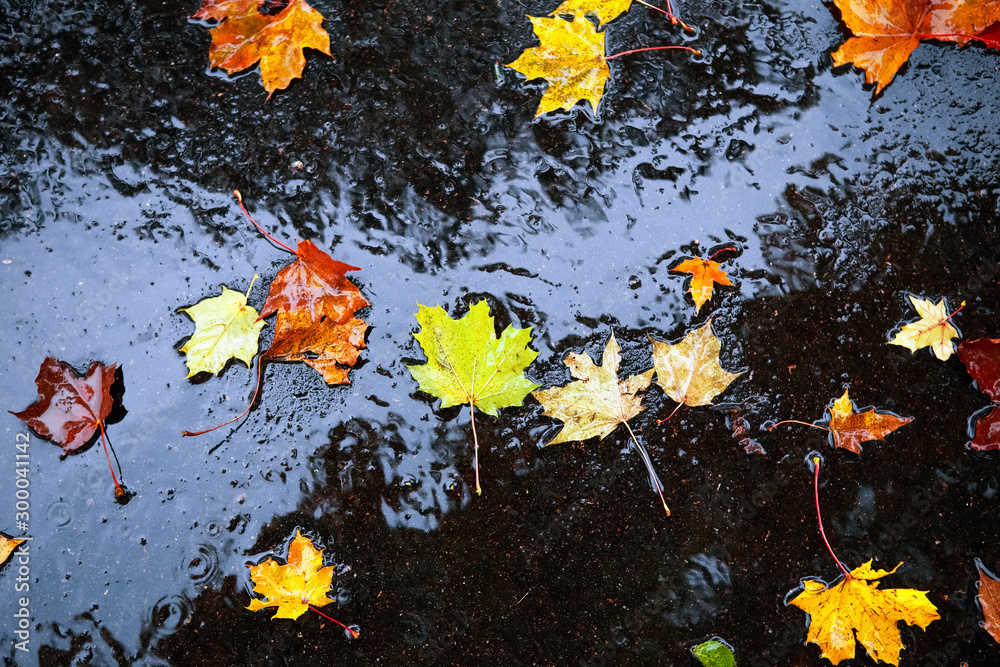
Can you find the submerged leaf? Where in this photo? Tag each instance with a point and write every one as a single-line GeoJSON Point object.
{"type": "Point", "coordinates": [292, 587]}
{"type": "Point", "coordinates": [934, 329]}
{"type": "Point", "coordinates": [570, 58]}
{"type": "Point", "coordinates": [597, 402]}
{"type": "Point", "coordinates": [857, 607]}
{"type": "Point", "coordinates": [225, 328]}
{"type": "Point", "coordinates": [70, 406]}
{"type": "Point", "coordinates": [249, 31]}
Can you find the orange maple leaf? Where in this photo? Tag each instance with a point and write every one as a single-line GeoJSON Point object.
{"type": "Point", "coordinates": [292, 587]}
{"type": "Point", "coordinates": [704, 274]}
{"type": "Point", "coordinates": [851, 428]}
{"type": "Point", "coordinates": [887, 31]}
{"type": "Point", "coordinates": [273, 32]}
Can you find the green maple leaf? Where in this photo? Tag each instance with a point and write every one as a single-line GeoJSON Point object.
{"type": "Point", "coordinates": [468, 364]}
{"type": "Point", "coordinates": [225, 328]}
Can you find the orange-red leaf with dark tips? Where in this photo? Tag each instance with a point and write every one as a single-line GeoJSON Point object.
{"type": "Point", "coordinates": [851, 428]}
{"type": "Point", "coordinates": [70, 406]}
{"type": "Point", "coordinates": [982, 359]}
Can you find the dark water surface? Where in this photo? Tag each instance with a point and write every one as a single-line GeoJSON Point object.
{"type": "Point", "coordinates": [413, 154]}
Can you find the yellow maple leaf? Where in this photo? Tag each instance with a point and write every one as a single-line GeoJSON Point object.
{"type": "Point", "coordinates": [689, 371]}
{"type": "Point", "coordinates": [570, 58]}
{"type": "Point", "coordinates": [225, 328]}
{"type": "Point", "coordinates": [704, 274]}
{"type": "Point", "coordinates": [856, 607]}
{"type": "Point", "coordinates": [7, 546]}
{"type": "Point", "coordinates": [933, 329]}
{"type": "Point", "coordinates": [597, 402]}
{"type": "Point", "coordinates": [249, 31]}
{"type": "Point", "coordinates": [292, 587]}
{"type": "Point", "coordinates": [603, 10]}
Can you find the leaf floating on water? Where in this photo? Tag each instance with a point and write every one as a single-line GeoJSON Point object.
{"type": "Point", "coordinates": [850, 428]}
{"type": "Point", "coordinates": [7, 546]}
{"type": "Point", "coordinates": [856, 609]}
{"type": "Point", "coordinates": [292, 587]}
{"type": "Point", "coordinates": [604, 11]}
{"type": "Point", "coordinates": [275, 33]}
{"type": "Point", "coordinates": [225, 328]}
{"type": "Point", "coordinates": [989, 600]}
{"type": "Point", "coordinates": [705, 273]}
{"type": "Point", "coordinates": [982, 359]}
{"type": "Point", "coordinates": [714, 653]}
{"type": "Point", "coordinates": [934, 329]}
{"type": "Point", "coordinates": [690, 371]}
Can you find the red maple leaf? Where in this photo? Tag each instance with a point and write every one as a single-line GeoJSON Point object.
{"type": "Point", "coordinates": [982, 359]}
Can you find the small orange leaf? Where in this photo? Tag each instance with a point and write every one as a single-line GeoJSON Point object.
{"type": "Point", "coordinates": [989, 600]}
{"type": "Point", "coordinates": [273, 32]}
{"type": "Point", "coordinates": [292, 587]}
{"type": "Point", "coordinates": [856, 606]}
{"type": "Point", "coordinates": [851, 428]}
{"type": "Point", "coordinates": [705, 273]}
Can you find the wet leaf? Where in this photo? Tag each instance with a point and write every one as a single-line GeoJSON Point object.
{"type": "Point", "coordinates": [570, 58]}
{"type": "Point", "coordinates": [225, 328]}
{"type": "Point", "coordinates": [887, 31]}
{"type": "Point", "coordinates": [989, 600]}
{"type": "Point", "coordinates": [292, 587]}
{"type": "Point", "coordinates": [597, 402]}
{"type": "Point", "coordinates": [7, 546]}
{"type": "Point", "coordinates": [704, 274]}
{"type": "Point", "coordinates": [850, 428]}
{"type": "Point", "coordinates": [857, 608]}
{"type": "Point", "coordinates": [70, 406]}
{"type": "Point", "coordinates": [982, 359]}
{"type": "Point", "coordinates": [603, 10]}
{"type": "Point", "coordinates": [468, 364]}
{"type": "Point", "coordinates": [714, 653]}
{"type": "Point", "coordinates": [933, 329]}
{"type": "Point", "coordinates": [689, 371]}
{"type": "Point", "coordinates": [316, 303]}
{"type": "Point", "coordinates": [252, 30]}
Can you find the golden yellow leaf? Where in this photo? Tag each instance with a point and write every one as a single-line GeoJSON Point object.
{"type": "Point", "coordinates": [857, 608]}
{"type": "Point", "coordinates": [7, 546]}
{"type": "Point", "coordinates": [689, 371]}
{"type": "Point", "coordinates": [225, 328]}
{"type": "Point", "coordinates": [603, 10]}
{"type": "Point", "coordinates": [571, 58]}
{"type": "Point", "coordinates": [933, 329]}
{"type": "Point", "coordinates": [292, 587]}
{"type": "Point", "coordinates": [597, 401]}
{"type": "Point", "coordinates": [704, 274]}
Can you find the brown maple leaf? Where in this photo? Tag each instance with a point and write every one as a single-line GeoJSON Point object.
{"type": "Point", "coordinates": [982, 359]}
{"type": "Point", "coordinates": [70, 406]}
{"type": "Point", "coordinates": [850, 428]}
{"type": "Point", "coordinates": [887, 31]}
{"type": "Point", "coordinates": [275, 32]}
{"type": "Point", "coordinates": [989, 600]}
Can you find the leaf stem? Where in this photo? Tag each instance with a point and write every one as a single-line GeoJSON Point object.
{"type": "Point", "coordinates": [660, 421]}
{"type": "Point", "coordinates": [653, 48]}
{"type": "Point", "coordinates": [721, 250]}
{"type": "Point", "coordinates": [475, 441]}
{"type": "Point", "coordinates": [653, 477]}
{"type": "Point", "coordinates": [819, 517]}
{"type": "Point", "coordinates": [260, 372]}
{"type": "Point", "coordinates": [984, 40]}
{"type": "Point", "coordinates": [354, 633]}
{"type": "Point", "coordinates": [119, 491]}
{"type": "Point", "coordinates": [796, 421]}
{"type": "Point", "coordinates": [670, 14]}
{"type": "Point", "coordinates": [263, 231]}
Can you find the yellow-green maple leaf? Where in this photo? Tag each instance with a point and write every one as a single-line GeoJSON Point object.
{"type": "Point", "coordinates": [689, 371]}
{"type": "Point", "coordinates": [933, 329]}
{"type": "Point", "coordinates": [570, 58]}
{"type": "Point", "coordinates": [468, 364]}
{"type": "Point", "coordinates": [292, 587]}
{"type": "Point", "coordinates": [857, 608]}
{"type": "Point", "coordinates": [225, 328]}
{"type": "Point", "coordinates": [603, 10]}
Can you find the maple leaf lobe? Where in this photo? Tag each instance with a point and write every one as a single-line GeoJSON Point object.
{"type": "Point", "coordinates": [467, 363]}
{"type": "Point", "coordinates": [597, 402]}
{"type": "Point", "coordinates": [7, 546]}
{"type": "Point", "coordinates": [70, 406]}
{"type": "Point", "coordinates": [849, 428]}
{"type": "Point", "coordinates": [570, 58]}
{"type": "Point", "coordinates": [856, 609]}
